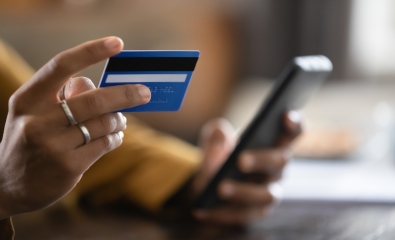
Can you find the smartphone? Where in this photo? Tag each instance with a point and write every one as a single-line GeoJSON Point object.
{"type": "Point", "coordinates": [295, 85]}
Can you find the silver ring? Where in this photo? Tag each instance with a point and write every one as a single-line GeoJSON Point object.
{"type": "Point", "coordinates": [68, 113]}
{"type": "Point", "coordinates": [62, 95]}
{"type": "Point", "coordinates": [85, 132]}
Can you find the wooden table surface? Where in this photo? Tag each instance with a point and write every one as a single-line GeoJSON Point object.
{"type": "Point", "coordinates": [291, 220]}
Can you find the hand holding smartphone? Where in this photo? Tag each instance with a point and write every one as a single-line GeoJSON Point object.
{"type": "Point", "coordinates": [295, 85]}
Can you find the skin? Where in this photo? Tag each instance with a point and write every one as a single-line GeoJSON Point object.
{"type": "Point", "coordinates": [248, 201]}
{"type": "Point", "coordinates": [42, 157]}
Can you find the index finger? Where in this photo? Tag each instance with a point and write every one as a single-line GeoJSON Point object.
{"type": "Point", "coordinates": [99, 101]}
{"type": "Point", "coordinates": [52, 76]}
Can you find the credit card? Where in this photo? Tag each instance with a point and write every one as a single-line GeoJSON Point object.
{"type": "Point", "coordinates": [166, 73]}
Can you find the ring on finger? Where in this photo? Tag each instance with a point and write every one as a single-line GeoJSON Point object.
{"type": "Point", "coordinates": [68, 113]}
{"type": "Point", "coordinates": [85, 132]}
{"type": "Point", "coordinates": [62, 95]}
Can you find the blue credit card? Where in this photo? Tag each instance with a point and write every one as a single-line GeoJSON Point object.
{"type": "Point", "coordinates": [166, 73]}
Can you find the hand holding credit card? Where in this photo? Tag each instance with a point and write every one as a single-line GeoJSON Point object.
{"type": "Point", "coordinates": [166, 73]}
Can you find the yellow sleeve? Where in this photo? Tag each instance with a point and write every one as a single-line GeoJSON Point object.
{"type": "Point", "coordinates": [14, 71]}
{"type": "Point", "coordinates": [148, 168]}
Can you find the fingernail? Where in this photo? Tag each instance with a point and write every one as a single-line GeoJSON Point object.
{"type": "Point", "coordinates": [276, 190]}
{"type": "Point", "coordinates": [122, 117]}
{"type": "Point", "coordinates": [113, 42]}
{"type": "Point", "coordinates": [227, 189]}
{"type": "Point", "coordinates": [144, 92]}
{"type": "Point", "coordinates": [247, 162]}
{"type": "Point", "coordinates": [121, 134]}
{"type": "Point", "coordinates": [294, 116]}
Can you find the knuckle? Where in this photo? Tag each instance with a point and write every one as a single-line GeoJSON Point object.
{"type": "Point", "coordinates": [111, 142]}
{"type": "Point", "coordinates": [91, 50]}
{"type": "Point", "coordinates": [52, 148]}
{"type": "Point", "coordinates": [107, 143]}
{"type": "Point", "coordinates": [67, 166]}
{"type": "Point", "coordinates": [19, 103]}
{"type": "Point", "coordinates": [58, 64]}
{"type": "Point", "coordinates": [119, 122]}
{"type": "Point", "coordinates": [35, 133]}
{"type": "Point", "coordinates": [35, 137]}
{"type": "Point", "coordinates": [108, 122]}
{"type": "Point", "coordinates": [93, 103]}
{"type": "Point", "coordinates": [31, 131]}
{"type": "Point", "coordinates": [14, 104]}
{"type": "Point", "coordinates": [130, 92]}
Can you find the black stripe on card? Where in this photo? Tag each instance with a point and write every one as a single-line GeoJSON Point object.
{"type": "Point", "coordinates": [151, 64]}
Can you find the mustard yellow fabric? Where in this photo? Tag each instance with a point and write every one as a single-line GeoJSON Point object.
{"type": "Point", "coordinates": [13, 73]}
{"type": "Point", "coordinates": [147, 169]}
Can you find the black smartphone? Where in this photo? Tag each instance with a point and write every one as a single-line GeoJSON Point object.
{"type": "Point", "coordinates": [293, 88]}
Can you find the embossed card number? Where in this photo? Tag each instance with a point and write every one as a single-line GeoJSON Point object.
{"type": "Point", "coordinates": [166, 73]}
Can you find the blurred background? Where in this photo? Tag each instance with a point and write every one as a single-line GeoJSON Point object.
{"type": "Point", "coordinates": [347, 150]}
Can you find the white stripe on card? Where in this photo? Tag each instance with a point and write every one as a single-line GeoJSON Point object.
{"type": "Point", "coordinates": [133, 78]}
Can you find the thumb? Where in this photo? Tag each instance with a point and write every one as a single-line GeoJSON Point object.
{"type": "Point", "coordinates": [217, 139]}
{"type": "Point", "coordinates": [75, 86]}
